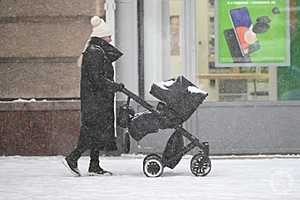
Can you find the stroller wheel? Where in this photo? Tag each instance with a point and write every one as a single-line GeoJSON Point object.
{"type": "Point", "coordinates": [200, 165]}
{"type": "Point", "coordinates": [152, 165]}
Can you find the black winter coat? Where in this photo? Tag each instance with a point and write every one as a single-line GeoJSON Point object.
{"type": "Point", "coordinates": [97, 95]}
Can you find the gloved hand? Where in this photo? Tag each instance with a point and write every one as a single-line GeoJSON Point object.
{"type": "Point", "coordinates": [121, 86]}
{"type": "Point", "coordinates": [117, 87]}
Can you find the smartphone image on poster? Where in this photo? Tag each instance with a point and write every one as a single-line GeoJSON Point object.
{"type": "Point", "coordinates": [242, 23]}
{"type": "Point", "coordinates": [234, 48]}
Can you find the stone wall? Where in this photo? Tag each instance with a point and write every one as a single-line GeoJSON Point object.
{"type": "Point", "coordinates": [40, 42]}
{"type": "Point", "coordinates": [52, 128]}
{"type": "Point", "coordinates": [43, 128]}
{"type": "Point", "coordinates": [38, 128]}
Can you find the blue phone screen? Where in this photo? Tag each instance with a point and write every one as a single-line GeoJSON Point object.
{"type": "Point", "coordinates": [240, 17]}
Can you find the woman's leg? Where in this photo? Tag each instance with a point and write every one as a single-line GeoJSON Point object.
{"type": "Point", "coordinates": [94, 168]}
{"type": "Point", "coordinates": [94, 162]}
{"type": "Point", "coordinates": [71, 161]}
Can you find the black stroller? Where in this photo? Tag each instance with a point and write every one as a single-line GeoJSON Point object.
{"type": "Point", "coordinates": [179, 98]}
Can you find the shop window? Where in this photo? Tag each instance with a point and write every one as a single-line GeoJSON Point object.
{"type": "Point", "coordinates": [257, 82]}
{"type": "Point", "coordinates": [262, 80]}
{"type": "Point", "coordinates": [175, 35]}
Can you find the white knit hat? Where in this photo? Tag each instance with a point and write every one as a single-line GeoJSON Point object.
{"type": "Point", "coordinates": [100, 28]}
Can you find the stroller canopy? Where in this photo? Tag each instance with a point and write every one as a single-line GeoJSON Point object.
{"type": "Point", "coordinates": [180, 95]}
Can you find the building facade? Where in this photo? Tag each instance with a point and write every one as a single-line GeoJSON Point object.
{"type": "Point", "coordinates": [250, 109]}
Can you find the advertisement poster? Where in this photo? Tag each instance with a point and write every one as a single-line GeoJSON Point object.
{"type": "Point", "coordinates": [252, 33]}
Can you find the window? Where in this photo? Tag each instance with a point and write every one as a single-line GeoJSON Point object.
{"type": "Point", "coordinates": [240, 83]}
{"type": "Point", "coordinates": [180, 48]}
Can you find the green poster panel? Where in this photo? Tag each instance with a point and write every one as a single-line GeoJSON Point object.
{"type": "Point", "coordinates": [288, 80]}
{"type": "Point", "coordinates": [252, 33]}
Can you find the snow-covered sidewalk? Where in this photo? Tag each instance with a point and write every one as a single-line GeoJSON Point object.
{"type": "Point", "coordinates": [39, 178]}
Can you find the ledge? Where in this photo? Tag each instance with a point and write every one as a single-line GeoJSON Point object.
{"type": "Point", "coordinates": [75, 105]}
{"type": "Point", "coordinates": [252, 104]}
{"type": "Point", "coordinates": [39, 105]}
{"type": "Point", "coordinates": [240, 76]}
{"type": "Point", "coordinates": [44, 19]}
{"type": "Point", "coordinates": [70, 59]}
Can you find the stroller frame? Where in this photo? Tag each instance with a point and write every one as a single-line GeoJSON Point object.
{"type": "Point", "coordinates": [153, 164]}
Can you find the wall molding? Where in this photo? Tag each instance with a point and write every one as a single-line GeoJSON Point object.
{"type": "Point", "coordinates": [71, 59]}
{"type": "Point", "coordinates": [44, 19]}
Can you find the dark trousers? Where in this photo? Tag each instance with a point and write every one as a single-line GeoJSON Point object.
{"type": "Point", "coordinates": [79, 150]}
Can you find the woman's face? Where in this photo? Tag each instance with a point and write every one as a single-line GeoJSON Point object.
{"type": "Point", "coordinates": [107, 38]}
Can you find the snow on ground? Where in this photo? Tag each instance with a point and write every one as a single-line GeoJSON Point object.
{"type": "Point", "coordinates": [41, 178]}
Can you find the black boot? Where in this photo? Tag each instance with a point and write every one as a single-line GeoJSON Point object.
{"type": "Point", "coordinates": [96, 170]}
{"type": "Point", "coordinates": [71, 162]}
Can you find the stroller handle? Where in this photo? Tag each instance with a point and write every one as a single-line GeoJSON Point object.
{"type": "Point", "coordinates": [132, 95]}
{"type": "Point", "coordinates": [138, 100]}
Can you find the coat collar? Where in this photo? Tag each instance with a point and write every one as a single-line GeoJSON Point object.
{"type": "Point", "coordinates": [111, 52]}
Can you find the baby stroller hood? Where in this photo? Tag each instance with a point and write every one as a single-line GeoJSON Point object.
{"type": "Point", "coordinates": [180, 96]}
